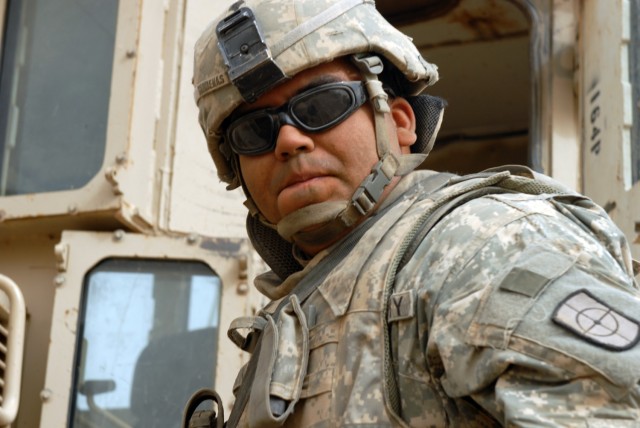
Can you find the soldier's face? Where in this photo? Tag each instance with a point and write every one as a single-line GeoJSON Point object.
{"type": "Point", "coordinates": [308, 168]}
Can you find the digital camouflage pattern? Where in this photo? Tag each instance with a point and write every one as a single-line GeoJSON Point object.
{"type": "Point", "coordinates": [473, 338]}
{"type": "Point", "coordinates": [295, 44]}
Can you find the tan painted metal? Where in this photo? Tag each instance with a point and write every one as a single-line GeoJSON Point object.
{"type": "Point", "coordinates": [114, 190]}
{"type": "Point", "coordinates": [231, 265]}
{"type": "Point", "coordinates": [606, 113]}
{"type": "Point", "coordinates": [197, 201]}
{"type": "Point", "coordinates": [3, 12]}
{"type": "Point", "coordinates": [30, 261]}
{"type": "Point", "coordinates": [564, 147]}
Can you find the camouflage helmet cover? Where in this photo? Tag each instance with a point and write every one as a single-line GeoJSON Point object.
{"type": "Point", "coordinates": [300, 34]}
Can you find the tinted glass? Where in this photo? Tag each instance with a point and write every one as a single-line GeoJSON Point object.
{"type": "Point", "coordinates": [147, 341]}
{"type": "Point", "coordinates": [54, 93]}
{"type": "Point", "coordinates": [321, 108]}
{"type": "Point", "coordinates": [252, 133]}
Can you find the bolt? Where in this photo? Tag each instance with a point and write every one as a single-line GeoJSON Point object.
{"type": "Point", "coordinates": [46, 394]}
{"type": "Point", "coordinates": [121, 158]}
{"type": "Point", "coordinates": [72, 209]}
{"type": "Point", "coordinates": [118, 235]}
{"type": "Point", "coordinates": [242, 288]}
{"type": "Point", "coordinates": [244, 48]}
{"type": "Point", "coordinates": [192, 239]}
{"type": "Point", "coordinates": [131, 53]}
{"type": "Point", "coordinates": [59, 280]}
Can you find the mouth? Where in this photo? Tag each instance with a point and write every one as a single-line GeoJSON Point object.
{"type": "Point", "coordinates": [301, 189]}
{"type": "Point", "coordinates": [298, 180]}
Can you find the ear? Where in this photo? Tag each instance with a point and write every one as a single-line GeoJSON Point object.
{"type": "Point", "coordinates": [405, 123]}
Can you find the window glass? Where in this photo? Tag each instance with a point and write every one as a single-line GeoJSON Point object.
{"type": "Point", "coordinates": [55, 78]}
{"type": "Point", "coordinates": [634, 73]}
{"type": "Point", "coordinates": [148, 340]}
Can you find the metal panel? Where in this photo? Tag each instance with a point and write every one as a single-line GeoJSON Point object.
{"type": "Point", "coordinates": [564, 150]}
{"type": "Point", "coordinates": [405, 11]}
{"type": "Point", "coordinates": [79, 252]}
{"type": "Point", "coordinates": [3, 11]}
{"type": "Point", "coordinates": [12, 332]}
{"type": "Point", "coordinates": [198, 201]}
{"type": "Point", "coordinates": [634, 78]}
{"type": "Point", "coordinates": [607, 113]}
{"type": "Point", "coordinates": [122, 188]}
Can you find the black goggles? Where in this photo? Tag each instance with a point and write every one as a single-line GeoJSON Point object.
{"type": "Point", "coordinates": [314, 110]}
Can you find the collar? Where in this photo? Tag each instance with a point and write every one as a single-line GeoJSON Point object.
{"type": "Point", "coordinates": [335, 291]}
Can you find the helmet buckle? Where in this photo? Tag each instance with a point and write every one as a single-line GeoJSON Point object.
{"type": "Point", "coordinates": [369, 192]}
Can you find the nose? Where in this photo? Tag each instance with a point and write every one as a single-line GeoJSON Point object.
{"type": "Point", "coordinates": [291, 142]}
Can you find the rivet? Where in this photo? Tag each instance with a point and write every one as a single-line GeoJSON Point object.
{"type": "Point", "coordinates": [46, 394]}
{"type": "Point", "coordinates": [118, 235]}
{"type": "Point", "coordinates": [121, 158]}
{"type": "Point", "coordinates": [242, 288]}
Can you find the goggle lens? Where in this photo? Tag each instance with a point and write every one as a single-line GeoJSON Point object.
{"type": "Point", "coordinates": [315, 110]}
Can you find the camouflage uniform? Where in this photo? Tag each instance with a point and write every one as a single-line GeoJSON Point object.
{"type": "Point", "coordinates": [480, 320]}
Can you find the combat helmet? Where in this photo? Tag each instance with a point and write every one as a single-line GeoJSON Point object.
{"type": "Point", "coordinates": [257, 44]}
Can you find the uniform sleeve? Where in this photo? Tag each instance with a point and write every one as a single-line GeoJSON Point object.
{"type": "Point", "coordinates": [530, 315]}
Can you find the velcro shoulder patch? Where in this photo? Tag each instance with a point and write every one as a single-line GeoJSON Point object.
{"type": "Point", "coordinates": [594, 320]}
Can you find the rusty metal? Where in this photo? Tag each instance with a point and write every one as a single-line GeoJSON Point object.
{"type": "Point", "coordinates": [488, 19]}
{"type": "Point", "coordinates": [403, 12]}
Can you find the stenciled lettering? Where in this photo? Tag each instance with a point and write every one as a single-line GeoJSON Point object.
{"type": "Point", "coordinates": [212, 84]}
{"type": "Point", "coordinates": [595, 140]}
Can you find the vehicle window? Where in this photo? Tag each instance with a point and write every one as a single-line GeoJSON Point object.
{"type": "Point", "coordinates": [147, 340]}
{"type": "Point", "coordinates": [634, 74]}
{"type": "Point", "coordinates": [55, 76]}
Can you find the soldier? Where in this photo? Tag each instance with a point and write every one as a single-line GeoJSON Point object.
{"type": "Point", "coordinates": [401, 297]}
